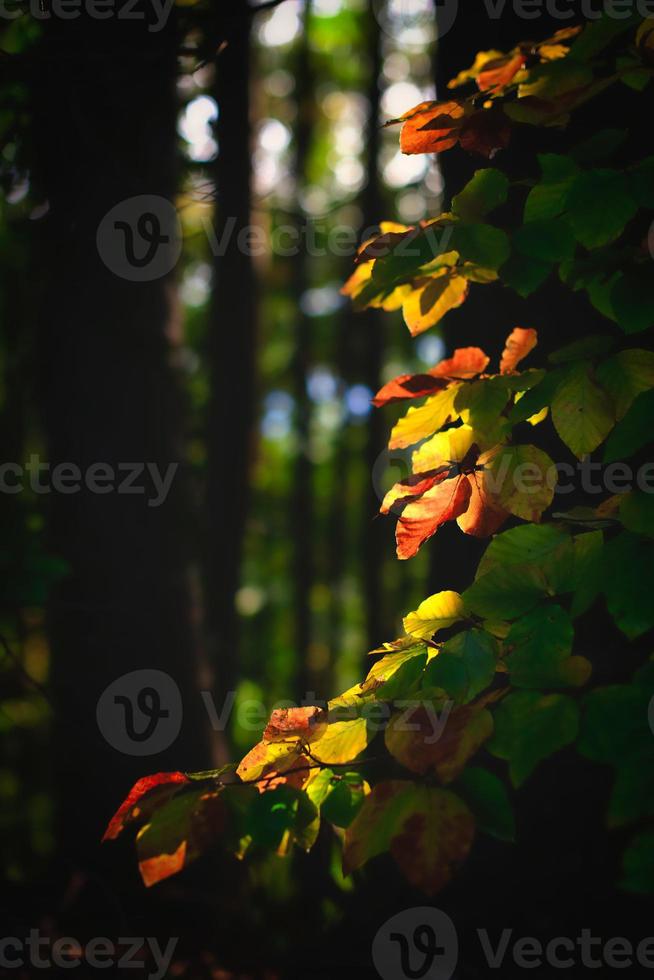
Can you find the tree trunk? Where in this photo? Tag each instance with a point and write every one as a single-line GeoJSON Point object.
{"type": "Point", "coordinates": [105, 104]}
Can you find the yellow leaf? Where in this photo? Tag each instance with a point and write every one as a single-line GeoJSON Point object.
{"type": "Point", "coordinates": [438, 612]}
{"type": "Point", "coordinates": [445, 447]}
{"type": "Point", "coordinates": [342, 741]}
{"type": "Point", "coordinates": [419, 423]}
{"type": "Point", "coordinates": [432, 299]}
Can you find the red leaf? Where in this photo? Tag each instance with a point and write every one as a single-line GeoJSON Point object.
{"type": "Point", "coordinates": [129, 810]}
{"type": "Point", "coordinates": [519, 343]}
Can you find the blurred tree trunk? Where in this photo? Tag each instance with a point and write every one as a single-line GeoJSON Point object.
{"type": "Point", "coordinates": [372, 334]}
{"type": "Point", "coordinates": [232, 354]}
{"type": "Point", "coordinates": [301, 517]}
{"type": "Point", "coordinates": [105, 104]}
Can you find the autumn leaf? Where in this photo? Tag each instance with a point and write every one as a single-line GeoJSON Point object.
{"type": "Point", "coordinates": [306, 723]}
{"type": "Point", "coordinates": [430, 299]}
{"type": "Point", "coordinates": [423, 742]}
{"type": "Point", "coordinates": [519, 343]}
{"type": "Point", "coordinates": [465, 363]}
{"type": "Point", "coordinates": [432, 127]}
{"type": "Point", "coordinates": [408, 386]}
{"type": "Point", "coordinates": [433, 614]}
{"type": "Point", "coordinates": [421, 517]}
{"type": "Point", "coordinates": [428, 831]}
{"type": "Point", "coordinates": [500, 72]}
{"type": "Point", "coordinates": [146, 794]}
{"type": "Point", "coordinates": [421, 422]}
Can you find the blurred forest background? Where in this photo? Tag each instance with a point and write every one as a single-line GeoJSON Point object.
{"type": "Point", "coordinates": [265, 572]}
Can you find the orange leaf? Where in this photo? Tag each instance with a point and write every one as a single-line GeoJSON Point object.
{"type": "Point", "coordinates": [414, 486]}
{"type": "Point", "coordinates": [163, 866]}
{"type": "Point", "coordinates": [484, 516]}
{"type": "Point", "coordinates": [466, 362]}
{"type": "Point", "coordinates": [519, 343]}
{"type": "Point", "coordinates": [500, 72]}
{"type": "Point", "coordinates": [288, 723]}
{"type": "Point", "coordinates": [157, 788]}
{"type": "Point", "coordinates": [432, 127]}
{"type": "Point", "coordinates": [421, 518]}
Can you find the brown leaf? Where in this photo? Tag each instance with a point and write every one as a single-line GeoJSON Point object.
{"type": "Point", "coordinates": [288, 723]}
{"type": "Point", "coordinates": [422, 517]}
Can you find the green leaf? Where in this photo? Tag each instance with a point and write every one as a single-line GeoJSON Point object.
{"type": "Point", "coordinates": [637, 513]}
{"type": "Point", "coordinates": [632, 797]}
{"type": "Point", "coordinates": [482, 244]}
{"type": "Point", "coordinates": [548, 240]}
{"type": "Point", "coordinates": [539, 646]}
{"type": "Point", "coordinates": [547, 199]}
{"type": "Point", "coordinates": [582, 412]}
{"type": "Point", "coordinates": [632, 300]}
{"type": "Point", "coordinates": [530, 727]}
{"type": "Point", "coordinates": [598, 34]}
{"type": "Point", "coordinates": [614, 725]}
{"type": "Point", "coordinates": [538, 544]}
{"type": "Point", "coordinates": [345, 800]}
{"type": "Point", "coordinates": [523, 477]}
{"type": "Point", "coordinates": [625, 376]}
{"type": "Point", "coordinates": [634, 431]}
{"type": "Point", "coordinates": [537, 398]}
{"type": "Point", "coordinates": [523, 274]}
{"type": "Point", "coordinates": [599, 146]}
{"type": "Point", "coordinates": [486, 191]}
{"type": "Point", "coordinates": [438, 612]}
{"type": "Point", "coordinates": [583, 349]}
{"type": "Point", "coordinates": [641, 178]}
{"type": "Point", "coordinates": [464, 666]}
{"type": "Point", "coordinates": [638, 865]}
{"type": "Point", "coordinates": [488, 799]}
{"type": "Point", "coordinates": [599, 206]}
{"type": "Point", "coordinates": [585, 573]}
{"type": "Point", "coordinates": [277, 812]}
{"type": "Point", "coordinates": [428, 831]}
{"type": "Point", "coordinates": [506, 591]}
{"type": "Point", "coordinates": [484, 403]}
{"type": "Point", "coordinates": [628, 577]}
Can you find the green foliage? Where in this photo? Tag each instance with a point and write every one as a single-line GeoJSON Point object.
{"type": "Point", "coordinates": [499, 670]}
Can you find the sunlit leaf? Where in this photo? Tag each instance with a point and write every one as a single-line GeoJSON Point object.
{"type": "Point", "coordinates": [438, 612]}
